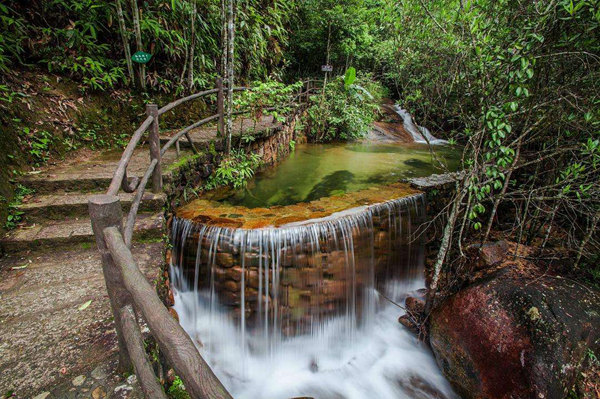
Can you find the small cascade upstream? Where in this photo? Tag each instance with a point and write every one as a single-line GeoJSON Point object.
{"type": "Point", "coordinates": [306, 309]}
{"type": "Point", "coordinates": [419, 133]}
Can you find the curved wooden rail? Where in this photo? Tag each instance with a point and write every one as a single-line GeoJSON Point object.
{"type": "Point", "coordinates": [186, 131]}
{"type": "Point", "coordinates": [128, 290]}
{"type": "Point", "coordinates": [180, 351]}
{"type": "Point", "coordinates": [121, 171]}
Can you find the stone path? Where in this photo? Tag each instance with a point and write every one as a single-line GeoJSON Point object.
{"type": "Point", "coordinates": [57, 338]}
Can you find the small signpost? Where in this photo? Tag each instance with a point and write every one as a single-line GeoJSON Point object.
{"type": "Point", "coordinates": [141, 57]}
{"type": "Point", "coordinates": [326, 68]}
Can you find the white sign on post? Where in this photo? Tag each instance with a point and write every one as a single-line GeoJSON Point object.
{"type": "Point", "coordinates": [326, 68]}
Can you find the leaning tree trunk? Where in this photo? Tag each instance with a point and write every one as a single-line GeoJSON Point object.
{"type": "Point", "coordinates": [138, 41]}
{"type": "Point", "coordinates": [192, 46]}
{"type": "Point", "coordinates": [126, 48]}
{"type": "Point", "coordinates": [230, 42]}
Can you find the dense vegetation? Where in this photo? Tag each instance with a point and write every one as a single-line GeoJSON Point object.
{"type": "Point", "coordinates": [515, 82]}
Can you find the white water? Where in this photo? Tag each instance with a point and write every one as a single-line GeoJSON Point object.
{"type": "Point", "coordinates": [377, 363]}
{"type": "Point", "coordinates": [344, 355]}
{"type": "Point", "coordinates": [419, 133]}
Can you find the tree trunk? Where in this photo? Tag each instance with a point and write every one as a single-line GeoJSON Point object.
{"type": "Point", "coordinates": [223, 61]}
{"type": "Point", "coordinates": [192, 47]}
{"type": "Point", "coordinates": [230, 70]}
{"type": "Point", "coordinates": [138, 41]}
{"type": "Point", "coordinates": [125, 40]}
{"type": "Point", "coordinates": [587, 238]}
{"type": "Point", "coordinates": [445, 246]}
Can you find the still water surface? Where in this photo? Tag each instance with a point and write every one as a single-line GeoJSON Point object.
{"type": "Point", "coordinates": [314, 171]}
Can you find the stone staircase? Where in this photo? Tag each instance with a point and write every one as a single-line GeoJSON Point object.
{"type": "Point", "coordinates": [56, 216]}
{"type": "Point", "coordinates": [51, 268]}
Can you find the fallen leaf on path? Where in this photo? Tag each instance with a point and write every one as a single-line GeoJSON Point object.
{"type": "Point", "coordinates": [85, 305]}
{"type": "Point", "coordinates": [20, 267]}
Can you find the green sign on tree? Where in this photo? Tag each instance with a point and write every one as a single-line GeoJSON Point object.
{"type": "Point", "coordinates": [141, 57]}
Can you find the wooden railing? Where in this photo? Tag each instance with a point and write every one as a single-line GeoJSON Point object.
{"type": "Point", "coordinates": [129, 292]}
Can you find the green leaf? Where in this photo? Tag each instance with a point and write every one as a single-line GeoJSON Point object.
{"type": "Point", "coordinates": [350, 77]}
{"type": "Point", "coordinates": [85, 305]}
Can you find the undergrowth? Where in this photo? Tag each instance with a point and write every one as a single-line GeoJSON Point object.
{"type": "Point", "coordinates": [234, 170]}
{"type": "Point", "coordinates": [14, 217]}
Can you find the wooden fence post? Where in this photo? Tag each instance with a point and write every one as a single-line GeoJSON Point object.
{"type": "Point", "coordinates": [105, 211]}
{"type": "Point", "coordinates": [220, 107]}
{"type": "Point", "coordinates": [154, 139]}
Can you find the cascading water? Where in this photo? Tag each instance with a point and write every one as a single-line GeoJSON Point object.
{"type": "Point", "coordinates": [307, 309]}
{"type": "Point", "coordinates": [419, 133]}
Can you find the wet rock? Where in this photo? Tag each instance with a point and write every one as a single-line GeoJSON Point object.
{"type": "Point", "coordinates": [174, 313]}
{"type": "Point", "coordinates": [98, 393]}
{"type": "Point", "coordinates": [79, 380]}
{"type": "Point", "coordinates": [414, 305]}
{"type": "Point", "coordinates": [99, 373]}
{"type": "Point", "coordinates": [517, 333]}
{"type": "Point", "coordinates": [409, 323]}
{"type": "Point", "coordinates": [488, 255]}
{"type": "Point", "coordinates": [122, 392]}
{"type": "Point", "coordinates": [225, 259]}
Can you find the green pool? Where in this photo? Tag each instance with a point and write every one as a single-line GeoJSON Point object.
{"type": "Point", "coordinates": [314, 171]}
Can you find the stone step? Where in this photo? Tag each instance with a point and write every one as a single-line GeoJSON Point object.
{"type": "Point", "coordinates": [73, 231]}
{"type": "Point", "coordinates": [72, 184]}
{"type": "Point", "coordinates": [93, 172]}
{"type": "Point", "coordinates": [59, 206]}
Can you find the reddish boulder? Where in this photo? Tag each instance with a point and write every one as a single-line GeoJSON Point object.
{"type": "Point", "coordinates": [516, 334]}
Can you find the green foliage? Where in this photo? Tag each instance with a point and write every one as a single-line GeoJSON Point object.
{"type": "Point", "coordinates": [350, 77]}
{"type": "Point", "coordinates": [344, 110]}
{"type": "Point", "coordinates": [354, 29]}
{"type": "Point", "coordinates": [234, 170]}
{"type": "Point", "coordinates": [81, 38]}
{"type": "Point", "coordinates": [267, 98]}
{"type": "Point", "coordinates": [14, 216]}
{"type": "Point", "coordinates": [177, 390]}
{"type": "Point", "coordinates": [12, 34]}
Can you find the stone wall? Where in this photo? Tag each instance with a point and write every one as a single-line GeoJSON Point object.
{"type": "Point", "coordinates": [320, 270]}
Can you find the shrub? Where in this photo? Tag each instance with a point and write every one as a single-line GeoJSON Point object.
{"type": "Point", "coordinates": [345, 109]}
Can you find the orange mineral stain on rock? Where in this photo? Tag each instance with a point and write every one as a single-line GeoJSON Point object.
{"type": "Point", "coordinates": [216, 213]}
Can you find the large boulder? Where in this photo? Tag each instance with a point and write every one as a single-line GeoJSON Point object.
{"type": "Point", "coordinates": [516, 333]}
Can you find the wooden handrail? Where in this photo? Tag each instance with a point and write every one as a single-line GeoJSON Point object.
{"type": "Point", "coordinates": [180, 351]}
{"type": "Point", "coordinates": [136, 203]}
{"type": "Point", "coordinates": [141, 363]}
{"type": "Point", "coordinates": [186, 130]}
{"type": "Point", "coordinates": [126, 157]}
{"type": "Point", "coordinates": [175, 103]}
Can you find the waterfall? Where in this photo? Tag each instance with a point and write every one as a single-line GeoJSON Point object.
{"type": "Point", "coordinates": [301, 300]}
{"type": "Point", "coordinates": [419, 133]}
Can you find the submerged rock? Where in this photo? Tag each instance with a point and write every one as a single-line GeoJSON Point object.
{"type": "Point", "coordinates": [517, 333]}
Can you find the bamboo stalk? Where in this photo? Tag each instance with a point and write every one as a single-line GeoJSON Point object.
{"type": "Point", "coordinates": [126, 49]}
{"type": "Point", "coordinates": [138, 41]}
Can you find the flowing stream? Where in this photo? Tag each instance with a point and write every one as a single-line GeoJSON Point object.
{"type": "Point", "coordinates": [419, 133]}
{"type": "Point", "coordinates": [307, 309]}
